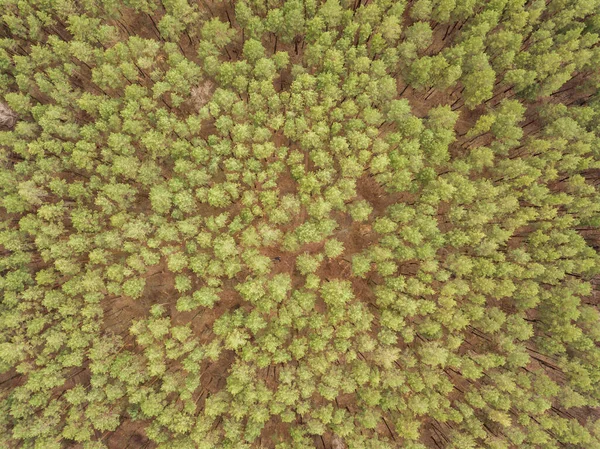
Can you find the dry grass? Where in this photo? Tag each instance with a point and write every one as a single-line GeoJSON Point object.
{"type": "Point", "coordinates": [202, 93]}
{"type": "Point", "coordinates": [8, 119]}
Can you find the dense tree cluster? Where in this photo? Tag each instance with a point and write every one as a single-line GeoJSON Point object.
{"type": "Point", "coordinates": [300, 223]}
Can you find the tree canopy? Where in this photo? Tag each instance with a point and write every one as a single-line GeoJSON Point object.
{"type": "Point", "coordinates": [299, 224]}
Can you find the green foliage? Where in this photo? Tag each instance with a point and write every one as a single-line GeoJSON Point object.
{"type": "Point", "coordinates": [360, 210]}
{"type": "Point", "coordinates": [333, 248]}
{"type": "Point", "coordinates": [297, 223]}
{"type": "Point", "coordinates": [134, 287]}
